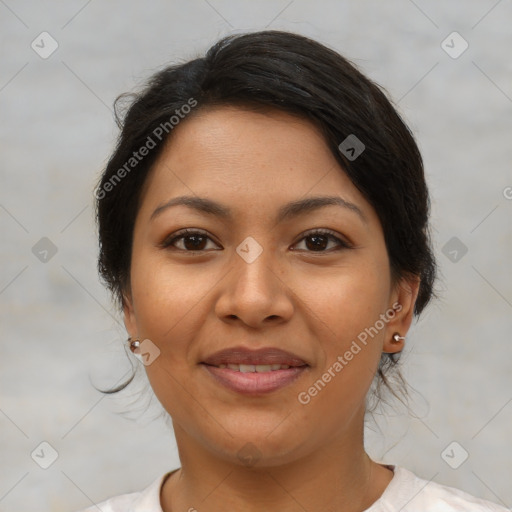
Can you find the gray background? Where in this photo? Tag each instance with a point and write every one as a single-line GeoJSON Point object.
{"type": "Point", "coordinates": [59, 331]}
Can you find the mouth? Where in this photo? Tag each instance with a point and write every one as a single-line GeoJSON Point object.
{"type": "Point", "coordinates": [252, 368]}
{"type": "Point", "coordinates": [254, 372]}
{"type": "Point", "coordinates": [247, 358]}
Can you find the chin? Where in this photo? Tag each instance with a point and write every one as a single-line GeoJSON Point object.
{"type": "Point", "coordinates": [255, 446]}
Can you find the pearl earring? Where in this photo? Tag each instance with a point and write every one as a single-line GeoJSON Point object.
{"type": "Point", "coordinates": [134, 344]}
{"type": "Point", "coordinates": [396, 338]}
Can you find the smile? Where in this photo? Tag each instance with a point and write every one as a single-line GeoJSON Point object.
{"type": "Point", "coordinates": [252, 379]}
{"type": "Point", "coordinates": [249, 368]}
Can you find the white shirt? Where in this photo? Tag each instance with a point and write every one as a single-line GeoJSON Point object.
{"type": "Point", "coordinates": [405, 493]}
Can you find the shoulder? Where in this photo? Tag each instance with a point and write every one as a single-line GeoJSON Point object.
{"type": "Point", "coordinates": [410, 493]}
{"type": "Point", "coordinates": [146, 500]}
{"type": "Point", "coordinates": [123, 502]}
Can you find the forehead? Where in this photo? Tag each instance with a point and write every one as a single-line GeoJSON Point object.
{"type": "Point", "coordinates": [249, 159]}
{"type": "Point", "coordinates": [243, 137]}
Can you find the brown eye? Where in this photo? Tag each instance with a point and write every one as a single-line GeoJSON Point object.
{"type": "Point", "coordinates": [197, 241]}
{"type": "Point", "coordinates": [319, 240]}
{"type": "Point", "coordinates": [190, 241]}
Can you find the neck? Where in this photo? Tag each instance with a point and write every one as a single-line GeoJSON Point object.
{"type": "Point", "coordinates": [337, 476]}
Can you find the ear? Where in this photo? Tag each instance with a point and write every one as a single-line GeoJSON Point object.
{"type": "Point", "coordinates": [130, 321]}
{"type": "Point", "coordinates": [402, 301]}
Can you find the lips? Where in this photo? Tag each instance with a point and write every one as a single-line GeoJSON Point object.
{"type": "Point", "coordinates": [254, 383]}
{"type": "Point", "coordinates": [254, 372]}
{"type": "Point", "coordinates": [250, 357]}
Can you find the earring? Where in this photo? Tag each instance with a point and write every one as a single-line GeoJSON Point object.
{"type": "Point", "coordinates": [396, 338]}
{"type": "Point", "coordinates": [134, 344]}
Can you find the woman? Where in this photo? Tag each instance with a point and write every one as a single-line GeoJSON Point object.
{"type": "Point", "coordinates": [263, 226]}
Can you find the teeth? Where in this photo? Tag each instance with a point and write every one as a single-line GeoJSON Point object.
{"type": "Point", "coordinates": [251, 368]}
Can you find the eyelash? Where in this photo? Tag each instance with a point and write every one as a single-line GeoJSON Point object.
{"type": "Point", "coordinates": [168, 242]}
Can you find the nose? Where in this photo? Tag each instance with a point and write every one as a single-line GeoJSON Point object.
{"type": "Point", "coordinates": [255, 292]}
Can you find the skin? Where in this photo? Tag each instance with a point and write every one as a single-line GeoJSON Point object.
{"type": "Point", "coordinates": [312, 302]}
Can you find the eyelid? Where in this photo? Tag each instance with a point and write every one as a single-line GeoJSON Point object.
{"type": "Point", "coordinates": [343, 241]}
{"type": "Point", "coordinates": [182, 233]}
{"type": "Point", "coordinates": [178, 235]}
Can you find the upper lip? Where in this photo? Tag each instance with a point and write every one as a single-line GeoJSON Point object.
{"type": "Point", "coordinates": [243, 355]}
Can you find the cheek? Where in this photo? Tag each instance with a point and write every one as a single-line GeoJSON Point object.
{"type": "Point", "coordinates": [347, 322]}
{"type": "Point", "coordinates": [164, 293]}
{"type": "Point", "coordinates": [172, 303]}
{"type": "Point", "coordinates": [348, 299]}
{"type": "Point", "coordinates": [167, 300]}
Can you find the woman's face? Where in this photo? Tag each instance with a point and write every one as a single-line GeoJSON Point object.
{"type": "Point", "coordinates": [260, 275]}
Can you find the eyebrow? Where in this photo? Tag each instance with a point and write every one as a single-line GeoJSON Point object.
{"type": "Point", "coordinates": [287, 211]}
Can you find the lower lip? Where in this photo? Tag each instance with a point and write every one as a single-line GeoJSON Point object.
{"type": "Point", "coordinates": [255, 383]}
